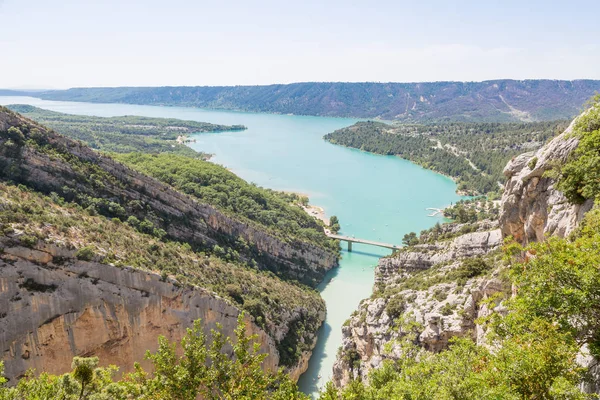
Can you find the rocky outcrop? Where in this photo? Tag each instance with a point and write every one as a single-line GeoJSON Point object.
{"type": "Point", "coordinates": [55, 307]}
{"type": "Point", "coordinates": [425, 256]}
{"type": "Point", "coordinates": [439, 311]}
{"type": "Point", "coordinates": [532, 207]}
{"type": "Point", "coordinates": [72, 168]}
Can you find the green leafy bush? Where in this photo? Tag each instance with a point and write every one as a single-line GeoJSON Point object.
{"type": "Point", "coordinates": [28, 240]}
{"type": "Point", "coordinates": [579, 178]}
{"type": "Point", "coordinates": [197, 367]}
{"type": "Point", "coordinates": [86, 253]}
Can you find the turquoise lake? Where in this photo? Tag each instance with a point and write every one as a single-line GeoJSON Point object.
{"type": "Point", "coordinates": [375, 197]}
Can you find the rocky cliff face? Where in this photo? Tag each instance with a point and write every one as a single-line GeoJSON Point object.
{"type": "Point", "coordinates": [440, 308]}
{"type": "Point", "coordinates": [75, 168]}
{"type": "Point", "coordinates": [55, 307]}
{"type": "Point", "coordinates": [532, 207]}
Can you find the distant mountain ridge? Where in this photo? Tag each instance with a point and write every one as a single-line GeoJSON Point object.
{"type": "Point", "coordinates": [489, 101]}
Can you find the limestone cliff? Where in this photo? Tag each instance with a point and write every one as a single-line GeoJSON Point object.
{"type": "Point", "coordinates": [531, 206]}
{"type": "Point", "coordinates": [55, 307]}
{"type": "Point", "coordinates": [440, 308]}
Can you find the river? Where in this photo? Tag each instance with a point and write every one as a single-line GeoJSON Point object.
{"type": "Point", "coordinates": [375, 197]}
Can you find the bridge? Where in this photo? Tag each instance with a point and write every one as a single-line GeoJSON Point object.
{"type": "Point", "coordinates": [351, 240]}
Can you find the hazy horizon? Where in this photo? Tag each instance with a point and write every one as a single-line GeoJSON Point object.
{"type": "Point", "coordinates": [67, 43]}
{"type": "Point", "coordinates": [38, 89]}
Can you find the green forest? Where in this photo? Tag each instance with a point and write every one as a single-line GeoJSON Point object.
{"type": "Point", "coordinates": [124, 134]}
{"type": "Point", "coordinates": [474, 154]}
{"type": "Point", "coordinates": [275, 211]}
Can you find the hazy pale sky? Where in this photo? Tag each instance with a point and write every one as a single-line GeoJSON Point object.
{"type": "Point", "coordinates": [69, 43]}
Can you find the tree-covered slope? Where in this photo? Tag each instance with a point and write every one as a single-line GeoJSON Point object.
{"type": "Point", "coordinates": [48, 162]}
{"type": "Point", "coordinates": [489, 101]}
{"type": "Point", "coordinates": [472, 153]}
{"type": "Point", "coordinates": [214, 184]}
{"type": "Point", "coordinates": [124, 134]}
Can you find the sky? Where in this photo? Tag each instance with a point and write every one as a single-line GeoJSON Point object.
{"type": "Point", "coordinates": [81, 43]}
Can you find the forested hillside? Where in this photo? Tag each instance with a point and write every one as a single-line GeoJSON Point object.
{"type": "Point", "coordinates": [472, 153]}
{"type": "Point", "coordinates": [273, 211]}
{"type": "Point", "coordinates": [489, 101]}
{"type": "Point", "coordinates": [124, 134]}
{"type": "Point", "coordinates": [203, 228]}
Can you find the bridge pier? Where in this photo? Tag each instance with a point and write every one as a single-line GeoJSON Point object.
{"type": "Point", "coordinates": [349, 247]}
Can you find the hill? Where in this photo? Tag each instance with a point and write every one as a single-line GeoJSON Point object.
{"type": "Point", "coordinates": [488, 101]}
{"type": "Point", "coordinates": [124, 134]}
{"type": "Point", "coordinates": [472, 153]}
{"type": "Point", "coordinates": [100, 259]}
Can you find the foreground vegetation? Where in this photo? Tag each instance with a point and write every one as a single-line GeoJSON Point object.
{"type": "Point", "coordinates": [124, 134]}
{"type": "Point", "coordinates": [579, 178]}
{"type": "Point", "coordinates": [473, 154]}
{"type": "Point", "coordinates": [199, 367]}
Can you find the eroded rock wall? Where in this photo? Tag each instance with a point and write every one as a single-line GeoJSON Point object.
{"type": "Point", "coordinates": [440, 311]}
{"type": "Point", "coordinates": [532, 208]}
{"type": "Point", "coordinates": [54, 307]}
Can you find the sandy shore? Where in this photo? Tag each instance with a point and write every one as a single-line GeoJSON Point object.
{"type": "Point", "coordinates": [317, 212]}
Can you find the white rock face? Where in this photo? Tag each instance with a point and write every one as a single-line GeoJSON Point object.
{"type": "Point", "coordinates": [425, 256]}
{"type": "Point", "coordinates": [443, 310]}
{"type": "Point", "coordinates": [54, 307]}
{"type": "Point", "coordinates": [532, 207]}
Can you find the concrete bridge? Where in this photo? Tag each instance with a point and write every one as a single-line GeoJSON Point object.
{"type": "Point", "coordinates": [351, 240]}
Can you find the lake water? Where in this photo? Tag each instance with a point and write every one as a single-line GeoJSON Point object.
{"type": "Point", "coordinates": [375, 197]}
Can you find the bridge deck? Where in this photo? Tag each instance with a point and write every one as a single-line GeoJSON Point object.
{"type": "Point", "coordinates": [364, 241]}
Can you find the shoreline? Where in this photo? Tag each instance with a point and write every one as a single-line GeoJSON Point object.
{"type": "Point", "coordinates": [317, 212]}
{"type": "Point", "coordinates": [313, 210]}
